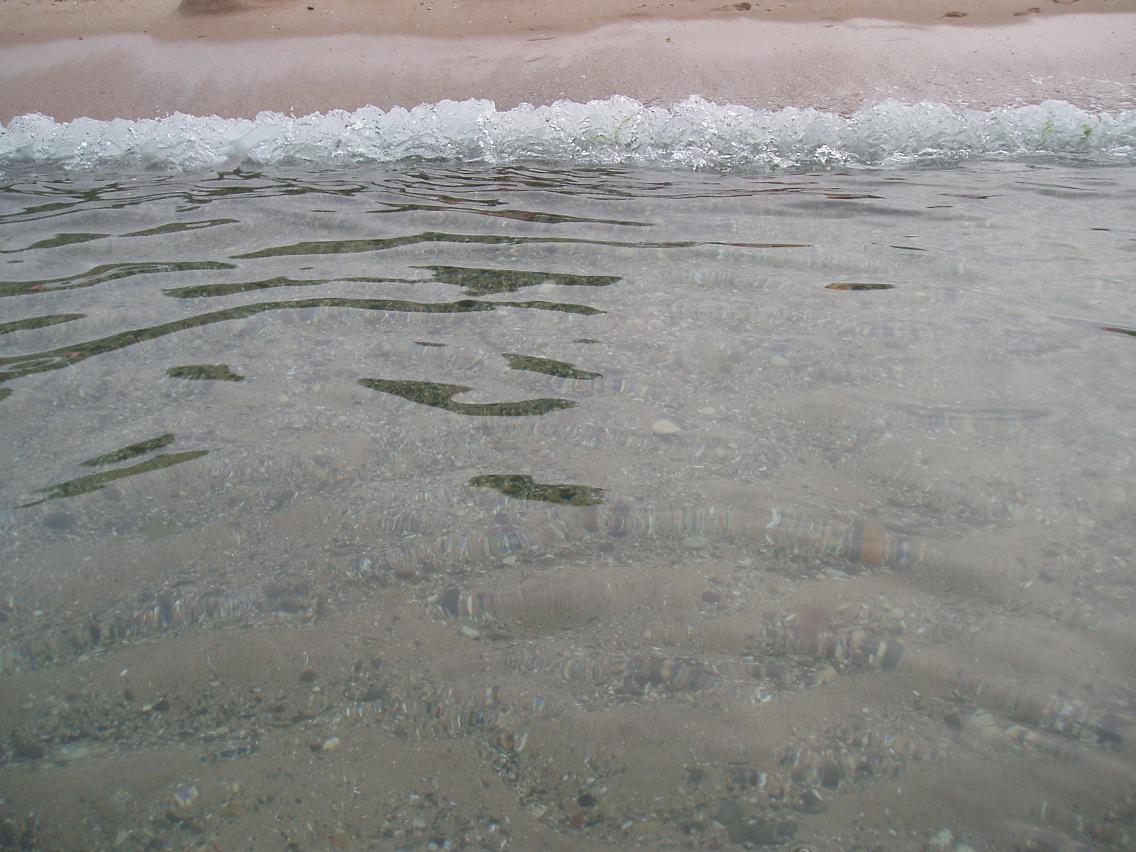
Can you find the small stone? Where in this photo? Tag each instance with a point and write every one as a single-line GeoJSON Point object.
{"type": "Point", "coordinates": [826, 675]}
{"type": "Point", "coordinates": [185, 795]}
{"type": "Point", "coordinates": [830, 774]}
{"type": "Point", "coordinates": [331, 744]}
{"type": "Point", "coordinates": [983, 725]}
{"type": "Point", "coordinates": [696, 542]}
{"type": "Point", "coordinates": [73, 751]}
{"type": "Point", "coordinates": [710, 596]}
{"type": "Point", "coordinates": [779, 361]}
{"type": "Point", "coordinates": [730, 812]}
{"type": "Point", "coordinates": [665, 427]}
{"type": "Point", "coordinates": [812, 802]}
{"type": "Point", "coordinates": [709, 411]}
{"type": "Point", "coordinates": [26, 750]}
{"type": "Point", "coordinates": [538, 811]}
{"type": "Point", "coordinates": [308, 676]}
{"type": "Point", "coordinates": [470, 632]}
{"type": "Point", "coordinates": [943, 839]}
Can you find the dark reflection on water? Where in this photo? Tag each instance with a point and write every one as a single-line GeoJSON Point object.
{"type": "Point", "coordinates": [95, 481]}
{"type": "Point", "coordinates": [517, 215]}
{"type": "Point", "coordinates": [130, 451]}
{"type": "Point", "coordinates": [441, 396]}
{"type": "Point", "coordinates": [548, 367]}
{"type": "Point", "coordinates": [37, 322]}
{"type": "Point", "coordinates": [59, 240]}
{"type": "Point", "coordinates": [210, 372]}
{"type": "Point", "coordinates": [232, 288]}
{"type": "Point", "coordinates": [103, 274]}
{"type": "Point", "coordinates": [522, 487]}
{"type": "Point", "coordinates": [853, 286]}
{"type": "Point", "coordinates": [482, 282]}
{"type": "Point", "coordinates": [180, 227]}
{"type": "Point", "coordinates": [54, 359]}
{"type": "Point", "coordinates": [697, 557]}
{"type": "Point", "coordinates": [386, 243]}
{"type": "Point", "coordinates": [475, 282]}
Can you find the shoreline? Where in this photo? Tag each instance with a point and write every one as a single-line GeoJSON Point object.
{"type": "Point", "coordinates": [1088, 60]}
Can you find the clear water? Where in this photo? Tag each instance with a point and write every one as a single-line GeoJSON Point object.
{"type": "Point", "coordinates": [506, 506]}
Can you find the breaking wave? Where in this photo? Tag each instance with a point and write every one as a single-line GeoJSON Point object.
{"type": "Point", "coordinates": [695, 133]}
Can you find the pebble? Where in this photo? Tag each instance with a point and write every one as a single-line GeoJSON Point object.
{"type": "Point", "coordinates": [779, 361]}
{"type": "Point", "coordinates": [942, 840]}
{"type": "Point", "coordinates": [185, 795]}
{"type": "Point", "coordinates": [825, 675]}
{"type": "Point", "coordinates": [331, 744]}
{"type": "Point", "coordinates": [470, 632]}
{"type": "Point", "coordinates": [665, 427]}
{"type": "Point", "coordinates": [696, 542]}
{"type": "Point", "coordinates": [983, 725]}
{"type": "Point", "coordinates": [72, 751]}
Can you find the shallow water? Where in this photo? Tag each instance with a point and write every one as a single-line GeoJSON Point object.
{"type": "Point", "coordinates": [573, 507]}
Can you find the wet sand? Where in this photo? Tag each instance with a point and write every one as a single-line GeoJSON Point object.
{"type": "Point", "coordinates": [300, 58]}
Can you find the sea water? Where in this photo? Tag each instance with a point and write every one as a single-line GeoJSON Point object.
{"type": "Point", "coordinates": [580, 477]}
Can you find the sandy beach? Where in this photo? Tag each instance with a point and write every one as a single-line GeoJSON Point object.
{"type": "Point", "coordinates": [234, 59]}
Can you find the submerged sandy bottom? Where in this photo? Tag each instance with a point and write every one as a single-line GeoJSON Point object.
{"type": "Point", "coordinates": [568, 508]}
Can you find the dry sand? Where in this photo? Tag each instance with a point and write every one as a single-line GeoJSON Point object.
{"type": "Point", "coordinates": [139, 60]}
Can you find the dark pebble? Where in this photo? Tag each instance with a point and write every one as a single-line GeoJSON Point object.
{"type": "Point", "coordinates": [29, 751]}
{"type": "Point", "coordinates": [762, 831]}
{"type": "Point", "coordinates": [811, 802]}
{"type": "Point", "coordinates": [730, 812]}
{"type": "Point", "coordinates": [830, 774]}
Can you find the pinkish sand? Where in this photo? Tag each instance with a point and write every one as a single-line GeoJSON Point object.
{"type": "Point", "coordinates": [141, 60]}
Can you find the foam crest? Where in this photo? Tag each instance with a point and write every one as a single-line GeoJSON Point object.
{"type": "Point", "coordinates": [618, 131]}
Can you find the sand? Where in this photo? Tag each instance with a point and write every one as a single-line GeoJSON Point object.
{"type": "Point", "coordinates": [140, 60]}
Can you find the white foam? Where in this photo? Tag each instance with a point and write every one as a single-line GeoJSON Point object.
{"type": "Point", "coordinates": [618, 131]}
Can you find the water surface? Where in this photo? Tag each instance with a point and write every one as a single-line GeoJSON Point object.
{"type": "Point", "coordinates": [505, 506]}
